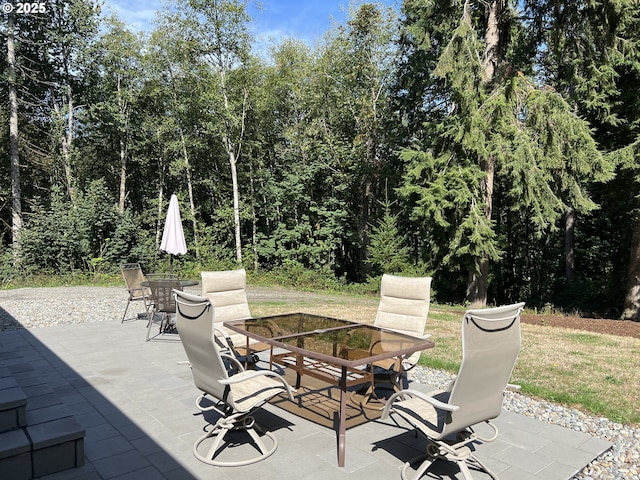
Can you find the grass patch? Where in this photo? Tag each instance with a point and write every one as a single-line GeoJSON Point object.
{"type": "Point", "coordinates": [595, 373]}
{"type": "Point", "coordinates": [591, 339]}
{"type": "Point", "coordinates": [274, 303]}
{"type": "Point", "coordinates": [439, 364]}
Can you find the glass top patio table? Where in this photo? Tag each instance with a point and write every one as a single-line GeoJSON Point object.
{"type": "Point", "coordinates": [342, 343]}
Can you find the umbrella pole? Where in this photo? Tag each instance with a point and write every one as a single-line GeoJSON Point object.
{"type": "Point", "coordinates": [171, 263]}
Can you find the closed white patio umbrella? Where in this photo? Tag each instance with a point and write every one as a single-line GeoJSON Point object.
{"type": "Point", "coordinates": [173, 236]}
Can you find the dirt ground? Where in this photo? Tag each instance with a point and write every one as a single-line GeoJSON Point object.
{"type": "Point", "coordinates": [623, 328]}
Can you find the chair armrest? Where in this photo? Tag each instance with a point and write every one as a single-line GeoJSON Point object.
{"type": "Point", "coordinates": [249, 374]}
{"type": "Point", "coordinates": [233, 360]}
{"type": "Point", "coordinates": [414, 393]}
{"type": "Point", "coordinates": [139, 290]}
{"type": "Point", "coordinates": [420, 337]}
{"type": "Point", "coordinates": [219, 335]}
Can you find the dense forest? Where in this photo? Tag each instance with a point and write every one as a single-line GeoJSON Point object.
{"type": "Point", "coordinates": [491, 144]}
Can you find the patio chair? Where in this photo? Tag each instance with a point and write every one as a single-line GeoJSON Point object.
{"type": "Point", "coordinates": [235, 397]}
{"type": "Point", "coordinates": [490, 347]}
{"type": "Point", "coordinates": [163, 305]}
{"type": "Point", "coordinates": [226, 290]}
{"type": "Point", "coordinates": [403, 308]}
{"type": "Point", "coordinates": [133, 278]}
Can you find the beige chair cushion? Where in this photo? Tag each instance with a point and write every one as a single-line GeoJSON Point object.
{"type": "Point", "coordinates": [404, 307]}
{"type": "Point", "coordinates": [227, 290]}
{"type": "Point", "coordinates": [404, 304]}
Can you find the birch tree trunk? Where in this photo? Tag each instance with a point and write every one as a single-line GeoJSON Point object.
{"type": "Point", "coordinates": [231, 150]}
{"type": "Point", "coordinates": [236, 199]}
{"type": "Point", "coordinates": [66, 141]}
{"type": "Point", "coordinates": [159, 223]}
{"type": "Point", "coordinates": [16, 195]}
{"type": "Point", "coordinates": [192, 205]}
{"type": "Point", "coordinates": [254, 224]}
{"type": "Point", "coordinates": [122, 107]}
{"type": "Point", "coordinates": [631, 310]}
{"type": "Point", "coordinates": [123, 175]}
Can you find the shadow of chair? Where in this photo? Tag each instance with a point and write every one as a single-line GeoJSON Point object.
{"type": "Point", "coordinates": [227, 291]}
{"type": "Point", "coordinates": [163, 305]}
{"type": "Point", "coordinates": [234, 397]}
{"type": "Point", "coordinates": [403, 308]}
{"type": "Point", "coordinates": [490, 347]}
{"type": "Point", "coordinates": [133, 278]}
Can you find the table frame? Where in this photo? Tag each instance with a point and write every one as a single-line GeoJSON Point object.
{"type": "Point", "coordinates": [348, 368]}
{"type": "Point", "coordinates": [183, 283]}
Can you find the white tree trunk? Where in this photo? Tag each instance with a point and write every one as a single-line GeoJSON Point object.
{"type": "Point", "coordinates": [631, 310]}
{"type": "Point", "coordinates": [123, 175]}
{"type": "Point", "coordinates": [66, 141]}
{"type": "Point", "coordinates": [16, 195]}
{"type": "Point", "coordinates": [236, 205]}
{"type": "Point", "coordinates": [192, 205]}
{"type": "Point", "coordinates": [233, 160]}
{"type": "Point", "coordinates": [159, 223]}
{"type": "Point", "coordinates": [122, 107]}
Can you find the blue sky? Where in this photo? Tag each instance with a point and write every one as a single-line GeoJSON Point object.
{"type": "Point", "coordinates": [306, 20]}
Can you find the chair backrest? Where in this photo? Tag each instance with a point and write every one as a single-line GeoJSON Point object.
{"type": "Point", "coordinates": [132, 275]}
{"type": "Point", "coordinates": [490, 347]}
{"type": "Point", "coordinates": [162, 294]}
{"type": "Point", "coordinates": [227, 291]}
{"type": "Point", "coordinates": [194, 321]}
{"type": "Point", "coordinates": [404, 304]}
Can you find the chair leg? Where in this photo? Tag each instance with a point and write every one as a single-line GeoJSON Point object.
{"type": "Point", "coordinates": [125, 310]}
{"type": "Point", "coordinates": [475, 462]}
{"type": "Point", "coordinates": [369, 400]}
{"type": "Point", "coordinates": [424, 466]}
{"type": "Point", "coordinates": [464, 469]}
{"type": "Point", "coordinates": [220, 430]}
{"type": "Point", "coordinates": [149, 323]}
{"type": "Point", "coordinates": [459, 454]}
{"type": "Point", "coordinates": [258, 441]}
{"type": "Point", "coordinates": [370, 395]}
{"type": "Point", "coordinates": [213, 450]}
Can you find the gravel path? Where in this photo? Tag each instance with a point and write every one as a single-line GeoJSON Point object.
{"type": "Point", "coordinates": [43, 307]}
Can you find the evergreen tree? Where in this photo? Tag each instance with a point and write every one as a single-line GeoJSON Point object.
{"type": "Point", "coordinates": [488, 119]}
{"type": "Point", "coordinates": [389, 250]}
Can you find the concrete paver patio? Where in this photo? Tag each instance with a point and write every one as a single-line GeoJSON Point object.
{"type": "Point", "coordinates": [136, 402]}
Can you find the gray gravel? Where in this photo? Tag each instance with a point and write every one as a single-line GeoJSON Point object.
{"type": "Point", "coordinates": [622, 461]}
{"type": "Point", "coordinates": [43, 307]}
